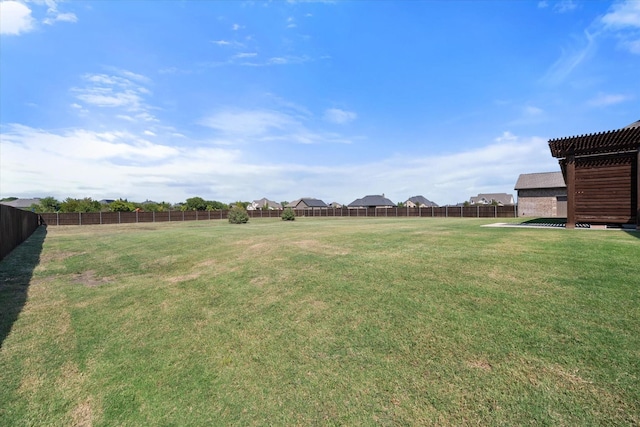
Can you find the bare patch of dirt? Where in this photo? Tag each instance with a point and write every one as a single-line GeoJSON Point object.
{"type": "Point", "coordinates": [183, 278]}
{"type": "Point", "coordinates": [316, 246]}
{"type": "Point", "coordinates": [89, 278]}
{"type": "Point", "coordinates": [48, 256]}
{"type": "Point", "coordinates": [480, 364]}
{"type": "Point", "coordinates": [82, 414]}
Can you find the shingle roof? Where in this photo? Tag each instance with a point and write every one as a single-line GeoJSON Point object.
{"type": "Point", "coordinates": [269, 203]}
{"type": "Point", "coordinates": [422, 200]}
{"type": "Point", "coordinates": [22, 203]}
{"type": "Point", "coordinates": [373, 200]}
{"type": "Point", "coordinates": [528, 181]}
{"type": "Point", "coordinates": [310, 202]}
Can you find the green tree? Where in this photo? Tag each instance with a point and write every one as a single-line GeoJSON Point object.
{"type": "Point", "coordinates": [288, 215]}
{"type": "Point", "coordinates": [238, 215]}
{"type": "Point", "coordinates": [215, 205]}
{"type": "Point", "coordinates": [121, 206]}
{"type": "Point", "coordinates": [80, 205]}
{"type": "Point", "coordinates": [401, 204]}
{"type": "Point", "coordinates": [46, 205]}
{"type": "Point", "coordinates": [196, 204]}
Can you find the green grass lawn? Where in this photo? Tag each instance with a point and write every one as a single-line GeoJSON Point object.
{"type": "Point", "coordinates": [413, 321]}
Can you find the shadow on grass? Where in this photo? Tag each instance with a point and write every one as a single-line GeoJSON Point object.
{"type": "Point", "coordinates": [16, 270]}
{"type": "Point", "coordinates": [633, 233]}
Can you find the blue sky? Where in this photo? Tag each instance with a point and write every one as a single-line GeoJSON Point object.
{"type": "Point", "coordinates": [233, 100]}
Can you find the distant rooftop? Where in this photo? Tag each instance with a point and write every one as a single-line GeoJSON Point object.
{"type": "Point", "coordinates": [528, 181]}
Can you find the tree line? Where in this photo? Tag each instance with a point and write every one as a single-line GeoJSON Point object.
{"type": "Point", "coordinates": [87, 204]}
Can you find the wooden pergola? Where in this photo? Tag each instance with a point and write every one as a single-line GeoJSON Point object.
{"type": "Point", "coordinates": [602, 173]}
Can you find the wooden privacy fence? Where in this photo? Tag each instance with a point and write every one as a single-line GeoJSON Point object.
{"type": "Point", "coordinates": [94, 218]}
{"type": "Point", "coordinates": [16, 226]}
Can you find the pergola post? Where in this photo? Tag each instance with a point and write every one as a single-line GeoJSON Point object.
{"type": "Point", "coordinates": [570, 164]}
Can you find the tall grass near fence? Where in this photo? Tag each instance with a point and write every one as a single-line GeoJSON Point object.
{"type": "Point", "coordinates": [412, 321]}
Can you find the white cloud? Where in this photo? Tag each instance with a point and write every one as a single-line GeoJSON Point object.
{"type": "Point", "coordinates": [84, 163]}
{"type": "Point", "coordinates": [15, 18]}
{"type": "Point", "coordinates": [123, 92]}
{"type": "Point", "coordinates": [607, 99]}
{"type": "Point", "coordinates": [571, 58]}
{"type": "Point", "coordinates": [623, 22]}
{"type": "Point", "coordinates": [248, 123]}
{"type": "Point", "coordinates": [623, 14]}
{"type": "Point", "coordinates": [338, 116]}
{"type": "Point", "coordinates": [564, 6]}
{"type": "Point", "coordinates": [61, 17]}
{"type": "Point", "coordinates": [246, 126]}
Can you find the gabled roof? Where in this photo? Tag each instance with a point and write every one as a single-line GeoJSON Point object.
{"type": "Point", "coordinates": [269, 203]}
{"type": "Point", "coordinates": [313, 203]}
{"type": "Point", "coordinates": [373, 200]}
{"type": "Point", "coordinates": [22, 203]}
{"type": "Point", "coordinates": [501, 198]}
{"type": "Point", "coordinates": [423, 201]}
{"type": "Point", "coordinates": [527, 181]}
{"type": "Point", "coordinates": [309, 202]}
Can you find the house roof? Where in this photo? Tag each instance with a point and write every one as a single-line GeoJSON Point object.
{"type": "Point", "coordinates": [373, 200]}
{"type": "Point", "coordinates": [22, 203]}
{"type": "Point", "coordinates": [310, 202]}
{"type": "Point", "coordinates": [527, 181]}
{"type": "Point", "coordinates": [422, 200]}
{"type": "Point", "coordinates": [613, 141]}
{"type": "Point", "coordinates": [269, 203]}
{"type": "Point", "coordinates": [502, 198]}
{"type": "Point", "coordinates": [632, 125]}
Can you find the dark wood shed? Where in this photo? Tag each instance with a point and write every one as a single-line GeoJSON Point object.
{"type": "Point", "coordinates": [601, 171]}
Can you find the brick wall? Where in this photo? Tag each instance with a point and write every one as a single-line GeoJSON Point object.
{"type": "Point", "coordinates": [539, 202]}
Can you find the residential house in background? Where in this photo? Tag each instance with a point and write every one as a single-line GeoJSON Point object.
{"type": "Point", "coordinates": [335, 205]}
{"type": "Point", "coordinates": [308, 203]}
{"type": "Point", "coordinates": [542, 195]}
{"type": "Point", "coordinates": [501, 199]}
{"type": "Point", "coordinates": [24, 204]}
{"type": "Point", "coordinates": [373, 201]}
{"type": "Point", "coordinates": [263, 203]}
{"type": "Point", "coordinates": [602, 173]}
{"type": "Point", "coordinates": [419, 201]}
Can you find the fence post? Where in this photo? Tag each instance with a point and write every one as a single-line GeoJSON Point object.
{"type": "Point", "coordinates": [57, 218]}
{"type": "Point", "coordinates": [182, 216]}
{"type": "Point", "coordinates": [100, 217]}
{"type": "Point", "coordinates": [137, 217]}
{"type": "Point", "coordinates": [446, 211]}
{"type": "Point", "coordinates": [80, 217]}
{"type": "Point", "coordinates": [119, 222]}
{"type": "Point", "coordinates": [495, 211]}
{"type": "Point", "coordinates": [153, 216]}
{"type": "Point", "coordinates": [461, 212]}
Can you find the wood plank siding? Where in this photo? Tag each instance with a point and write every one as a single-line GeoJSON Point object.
{"type": "Point", "coordinates": [601, 172]}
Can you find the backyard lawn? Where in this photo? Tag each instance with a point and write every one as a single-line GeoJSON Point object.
{"type": "Point", "coordinates": [328, 321]}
